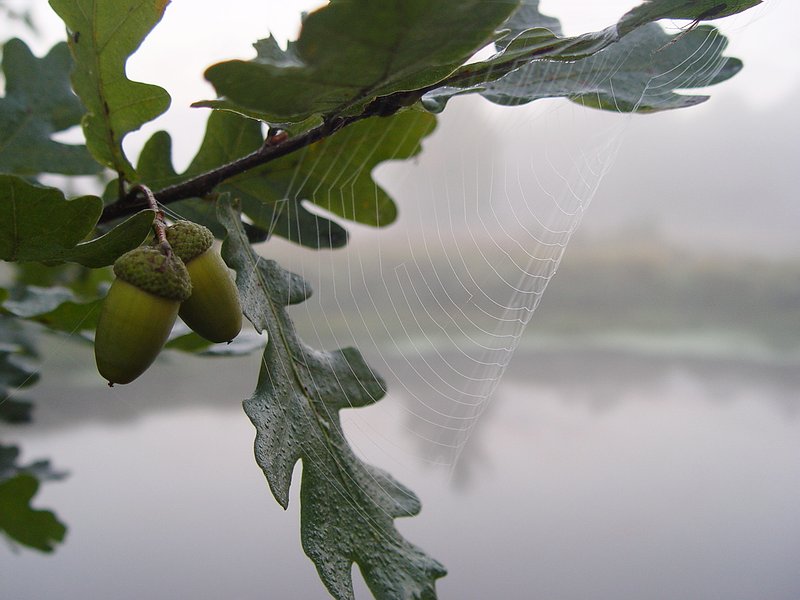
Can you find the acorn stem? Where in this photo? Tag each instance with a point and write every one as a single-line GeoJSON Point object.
{"type": "Point", "coordinates": [159, 225]}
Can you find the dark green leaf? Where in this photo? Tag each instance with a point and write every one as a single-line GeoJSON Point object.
{"type": "Point", "coordinates": [334, 173]}
{"type": "Point", "coordinates": [15, 372]}
{"type": "Point", "coordinates": [527, 16]}
{"type": "Point", "coordinates": [37, 529]}
{"type": "Point", "coordinates": [224, 141]}
{"type": "Point", "coordinates": [353, 51]}
{"type": "Point", "coordinates": [107, 248]}
{"type": "Point", "coordinates": [57, 308]}
{"type": "Point", "coordinates": [103, 34]}
{"type": "Point", "coordinates": [640, 73]}
{"type": "Point", "coordinates": [13, 411]}
{"type": "Point", "coordinates": [516, 74]}
{"type": "Point", "coordinates": [693, 10]}
{"type": "Point", "coordinates": [38, 103]}
{"type": "Point", "coordinates": [84, 282]}
{"type": "Point", "coordinates": [16, 369]}
{"type": "Point", "coordinates": [347, 507]}
{"type": "Point", "coordinates": [34, 300]}
{"type": "Point", "coordinates": [244, 343]}
{"type": "Point", "coordinates": [40, 469]}
{"type": "Point", "coordinates": [155, 162]}
{"type": "Point", "coordinates": [38, 223]}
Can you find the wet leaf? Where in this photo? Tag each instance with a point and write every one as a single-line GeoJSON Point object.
{"type": "Point", "coordinates": [523, 69]}
{"type": "Point", "coordinates": [347, 507]}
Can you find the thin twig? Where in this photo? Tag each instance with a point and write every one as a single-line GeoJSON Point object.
{"type": "Point", "coordinates": [159, 224]}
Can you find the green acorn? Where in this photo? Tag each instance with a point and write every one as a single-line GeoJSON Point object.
{"type": "Point", "coordinates": [213, 310]}
{"type": "Point", "coordinates": [139, 312]}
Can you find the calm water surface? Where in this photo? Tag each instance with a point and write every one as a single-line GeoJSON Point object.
{"type": "Point", "coordinates": [592, 476]}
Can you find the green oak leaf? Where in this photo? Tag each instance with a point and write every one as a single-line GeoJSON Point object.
{"type": "Point", "coordinates": [104, 250]}
{"type": "Point", "coordinates": [38, 103]}
{"type": "Point", "coordinates": [334, 173]}
{"type": "Point", "coordinates": [13, 411]}
{"type": "Point", "coordinates": [353, 51]}
{"type": "Point", "coordinates": [37, 529]}
{"type": "Point", "coordinates": [40, 469]}
{"type": "Point", "coordinates": [347, 507]}
{"type": "Point", "coordinates": [33, 300]}
{"type": "Point", "coordinates": [14, 372]}
{"type": "Point", "coordinates": [16, 369]}
{"type": "Point", "coordinates": [103, 34]}
{"type": "Point", "coordinates": [638, 74]}
{"type": "Point", "coordinates": [229, 136]}
{"type": "Point", "coordinates": [526, 17]}
{"type": "Point", "coordinates": [693, 10]}
{"type": "Point", "coordinates": [85, 282]}
{"type": "Point", "coordinates": [526, 52]}
{"type": "Point", "coordinates": [57, 308]}
{"type": "Point", "coordinates": [39, 224]}
{"type": "Point", "coordinates": [245, 343]}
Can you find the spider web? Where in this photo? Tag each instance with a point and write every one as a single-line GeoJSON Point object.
{"type": "Point", "coordinates": [439, 302]}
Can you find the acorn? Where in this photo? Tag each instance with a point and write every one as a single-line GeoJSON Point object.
{"type": "Point", "coordinates": [139, 311]}
{"type": "Point", "coordinates": [213, 310]}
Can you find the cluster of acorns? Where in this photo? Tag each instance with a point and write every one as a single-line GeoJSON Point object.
{"type": "Point", "coordinates": [156, 283]}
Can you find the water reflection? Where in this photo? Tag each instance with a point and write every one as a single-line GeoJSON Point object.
{"type": "Point", "coordinates": [599, 380]}
{"type": "Point", "coordinates": [593, 474]}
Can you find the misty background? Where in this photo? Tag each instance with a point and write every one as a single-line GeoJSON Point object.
{"type": "Point", "coordinates": [643, 440]}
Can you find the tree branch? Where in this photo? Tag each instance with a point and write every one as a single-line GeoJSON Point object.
{"type": "Point", "coordinates": [273, 148]}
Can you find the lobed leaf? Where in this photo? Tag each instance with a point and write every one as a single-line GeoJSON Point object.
{"type": "Point", "coordinates": [37, 529]}
{"type": "Point", "coordinates": [185, 340]}
{"type": "Point", "coordinates": [693, 10]}
{"type": "Point", "coordinates": [347, 507]}
{"type": "Point", "coordinates": [103, 34]}
{"type": "Point", "coordinates": [334, 173]}
{"type": "Point", "coordinates": [638, 74]}
{"type": "Point", "coordinates": [39, 103]}
{"type": "Point", "coordinates": [40, 469]}
{"type": "Point", "coordinates": [353, 51]}
{"type": "Point", "coordinates": [16, 371]}
{"type": "Point", "coordinates": [56, 308]}
{"type": "Point", "coordinates": [228, 137]}
{"type": "Point", "coordinates": [104, 250]}
{"type": "Point", "coordinates": [526, 17]}
{"type": "Point", "coordinates": [39, 224]}
{"type": "Point", "coordinates": [522, 70]}
{"type": "Point", "coordinates": [13, 411]}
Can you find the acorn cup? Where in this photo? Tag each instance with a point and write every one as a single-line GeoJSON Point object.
{"type": "Point", "coordinates": [139, 311]}
{"type": "Point", "coordinates": [213, 310]}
